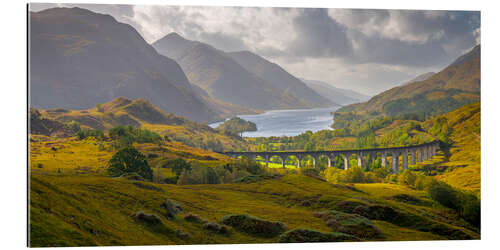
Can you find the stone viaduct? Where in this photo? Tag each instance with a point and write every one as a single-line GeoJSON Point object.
{"type": "Point", "coordinates": [409, 154]}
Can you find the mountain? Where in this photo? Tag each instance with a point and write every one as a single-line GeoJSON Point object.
{"type": "Point", "coordinates": [278, 77]}
{"type": "Point", "coordinates": [79, 58]}
{"type": "Point", "coordinates": [226, 80]}
{"type": "Point", "coordinates": [454, 86]}
{"type": "Point", "coordinates": [421, 77]}
{"type": "Point", "coordinates": [334, 94]}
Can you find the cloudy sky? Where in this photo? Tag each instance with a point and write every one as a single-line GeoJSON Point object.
{"type": "Point", "coordinates": [365, 50]}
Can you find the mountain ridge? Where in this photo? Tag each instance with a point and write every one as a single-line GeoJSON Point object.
{"type": "Point", "coordinates": [223, 78]}
{"type": "Point", "coordinates": [335, 94]}
{"type": "Point", "coordinates": [456, 85]}
{"type": "Point", "coordinates": [79, 58]}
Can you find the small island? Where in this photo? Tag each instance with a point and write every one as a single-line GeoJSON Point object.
{"type": "Point", "coordinates": [236, 126]}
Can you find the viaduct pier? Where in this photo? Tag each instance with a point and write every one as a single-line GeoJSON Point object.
{"type": "Point", "coordinates": [410, 155]}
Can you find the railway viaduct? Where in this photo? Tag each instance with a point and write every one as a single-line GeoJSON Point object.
{"type": "Point", "coordinates": [409, 154]}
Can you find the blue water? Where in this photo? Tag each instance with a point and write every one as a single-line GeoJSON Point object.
{"type": "Point", "coordinates": [288, 122]}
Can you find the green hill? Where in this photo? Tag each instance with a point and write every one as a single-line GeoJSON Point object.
{"type": "Point", "coordinates": [463, 166]}
{"type": "Point", "coordinates": [83, 211]}
{"type": "Point", "coordinates": [141, 113]}
{"type": "Point", "coordinates": [456, 85]}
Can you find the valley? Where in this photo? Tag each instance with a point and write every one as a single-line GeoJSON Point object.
{"type": "Point", "coordinates": [135, 142]}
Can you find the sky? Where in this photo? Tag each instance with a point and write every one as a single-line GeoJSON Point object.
{"type": "Point", "coordinates": [365, 50]}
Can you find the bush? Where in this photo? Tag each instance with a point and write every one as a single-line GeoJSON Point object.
{"type": "Point", "coordinates": [216, 228]}
{"type": "Point", "coordinates": [466, 204]}
{"type": "Point", "coordinates": [351, 175]}
{"type": "Point", "coordinates": [129, 160]}
{"type": "Point", "coordinates": [253, 225]}
{"type": "Point", "coordinates": [150, 219]}
{"type": "Point", "coordinates": [193, 218]}
{"type": "Point", "coordinates": [352, 224]}
{"type": "Point", "coordinates": [300, 235]}
{"type": "Point", "coordinates": [178, 165]}
{"type": "Point", "coordinates": [126, 135]}
{"type": "Point", "coordinates": [82, 134]}
{"type": "Point", "coordinates": [444, 194]}
{"type": "Point", "coordinates": [407, 178]}
{"type": "Point", "coordinates": [198, 175]}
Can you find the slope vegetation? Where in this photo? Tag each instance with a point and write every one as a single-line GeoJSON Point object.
{"type": "Point", "coordinates": [142, 113]}
{"type": "Point", "coordinates": [456, 85]}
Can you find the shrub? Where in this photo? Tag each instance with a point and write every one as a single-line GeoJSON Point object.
{"type": "Point", "coordinates": [406, 198]}
{"type": "Point", "coordinates": [352, 224]}
{"type": "Point", "coordinates": [150, 219]}
{"type": "Point", "coordinates": [444, 194]}
{"type": "Point", "coordinates": [253, 225]}
{"type": "Point", "coordinates": [192, 218]}
{"type": "Point", "coordinates": [126, 135]}
{"type": "Point", "coordinates": [300, 235]}
{"type": "Point", "coordinates": [351, 175]}
{"type": "Point", "coordinates": [198, 175]}
{"type": "Point", "coordinates": [129, 160]}
{"type": "Point", "coordinates": [82, 134]}
{"type": "Point", "coordinates": [470, 209]}
{"type": "Point", "coordinates": [216, 228]}
{"type": "Point", "coordinates": [466, 204]}
{"type": "Point", "coordinates": [407, 178]}
{"type": "Point", "coordinates": [178, 165]}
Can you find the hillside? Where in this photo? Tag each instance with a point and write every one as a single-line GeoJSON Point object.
{"type": "Point", "coordinates": [421, 77]}
{"type": "Point", "coordinates": [334, 94]}
{"type": "Point", "coordinates": [79, 58]}
{"type": "Point", "coordinates": [279, 78]}
{"type": "Point", "coordinates": [463, 166]}
{"type": "Point", "coordinates": [142, 113]}
{"type": "Point", "coordinates": [224, 79]}
{"type": "Point", "coordinates": [456, 85]}
{"type": "Point", "coordinates": [86, 211]}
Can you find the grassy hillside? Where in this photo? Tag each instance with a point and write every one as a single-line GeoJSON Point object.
{"type": "Point", "coordinates": [74, 203]}
{"type": "Point", "coordinates": [141, 113]}
{"type": "Point", "coordinates": [463, 166]}
{"type": "Point", "coordinates": [88, 210]}
{"type": "Point", "coordinates": [456, 85]}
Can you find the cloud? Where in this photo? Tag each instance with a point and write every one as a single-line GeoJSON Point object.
{"type": "Point", "coordinates": [368, 50]}
{"type": "Point", "coordinates": [318, 35]}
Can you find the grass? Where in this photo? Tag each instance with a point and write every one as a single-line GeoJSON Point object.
{"type": "Point", "coordinates": [93, 210]}
{"type": "Point", "coordinates": [73, 202]}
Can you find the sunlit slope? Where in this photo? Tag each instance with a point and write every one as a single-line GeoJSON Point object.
{"type": "Point", "coordinates": [456, 85]}
{"type": "Point", "coordinates": [465, 153]}
{"type": "Point", "coordinates": [86, 210]}
{"type": "Point", "coordinates": [141, 113]}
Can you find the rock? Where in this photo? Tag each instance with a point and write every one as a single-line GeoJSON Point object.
{"type": "Point", "coordinates": [172, 208]}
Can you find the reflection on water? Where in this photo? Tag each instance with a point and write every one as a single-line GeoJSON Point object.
{"type": "Point", "coordinates": [288, 122]}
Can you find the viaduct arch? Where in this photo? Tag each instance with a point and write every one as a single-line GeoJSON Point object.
{"type": "Point", "coordinates": [409, 154]}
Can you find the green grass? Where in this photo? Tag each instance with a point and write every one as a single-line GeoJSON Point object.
{"type": "Point", "coordinates": [93, 210]}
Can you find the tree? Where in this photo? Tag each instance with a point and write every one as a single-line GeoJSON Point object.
{"type": "Point", "coordinates": [129, 160]}
{"type": "Point", "coordinates": [178, 165]}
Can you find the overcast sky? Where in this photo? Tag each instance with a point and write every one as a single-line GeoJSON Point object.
{"type": "Point", "coordinates": [365, 50]}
